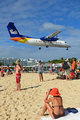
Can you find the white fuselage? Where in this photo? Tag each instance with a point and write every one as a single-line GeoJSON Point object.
{"type": "Point", "coordinates": [39, 42]}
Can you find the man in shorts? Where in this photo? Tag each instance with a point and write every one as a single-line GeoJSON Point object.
{"type": "Point", "coordinates": [53, 68]}
{"type": "Point", "coordinates": [73, 67]}
{"type": "Point", "coordinates": [18, 75]}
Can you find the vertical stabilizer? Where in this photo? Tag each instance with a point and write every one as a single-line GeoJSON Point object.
{"type": "Point", "coordinates": [12, 30]}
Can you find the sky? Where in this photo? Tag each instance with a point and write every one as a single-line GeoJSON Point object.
{"type": "Point", "coordinates": [38, 18]}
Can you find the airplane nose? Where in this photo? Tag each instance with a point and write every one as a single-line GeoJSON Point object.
{"type": "Point", "coordinates": [69, 46]}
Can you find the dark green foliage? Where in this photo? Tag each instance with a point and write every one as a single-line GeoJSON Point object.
{"type": "Point", "coordinates": [1, 64]}
{"type": "Point", "coordinates": [62, 60]}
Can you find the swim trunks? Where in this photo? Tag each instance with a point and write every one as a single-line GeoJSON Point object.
{"type": "Point", "coordinates": [8, 71]}
{"type": "Point", "coordinates": [18, 76]}
{"type": "Point", "coordinates": [40, 72]}
{"type": "Point", "coordinates": [2, 71]}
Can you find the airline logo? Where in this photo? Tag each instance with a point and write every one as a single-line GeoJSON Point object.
{"type": "Point", "coordinates": [13, 32]}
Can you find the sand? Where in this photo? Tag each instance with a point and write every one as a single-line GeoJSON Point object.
{"type": "Point", "coordinates": [25, 104]}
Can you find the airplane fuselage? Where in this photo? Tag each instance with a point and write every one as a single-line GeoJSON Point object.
{"type": "Point", "coordinates": [39, 42]}
{"type": "Point", "coordinates": [48, 41]}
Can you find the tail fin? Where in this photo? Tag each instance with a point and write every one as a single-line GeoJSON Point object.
{"type": "Point", "coordinates": [14, 34]}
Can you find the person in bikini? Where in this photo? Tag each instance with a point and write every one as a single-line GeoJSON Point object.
{"type": "Point", "coordinates": [56, 111]}
{"type": "Point", "coordinates": [18, 75]}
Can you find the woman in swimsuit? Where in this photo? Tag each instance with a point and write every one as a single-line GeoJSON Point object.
{"type": "Point", "coordinates": [56, 110]}
{"type": "Point", "coordinates": [40, 71]}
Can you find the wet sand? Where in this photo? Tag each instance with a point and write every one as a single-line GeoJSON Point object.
{"type": "Point", "coordinates": [25, 104]}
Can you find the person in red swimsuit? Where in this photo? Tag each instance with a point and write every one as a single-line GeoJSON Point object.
{"type": "Point", "coordinates": [18, 75]}
{"type": "Point", "coordinates": [72, 75]}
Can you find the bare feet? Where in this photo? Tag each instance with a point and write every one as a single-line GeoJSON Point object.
{"type": "Point", "coordinates": [40, 114]}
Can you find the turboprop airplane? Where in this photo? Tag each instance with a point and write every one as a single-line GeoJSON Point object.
{"type": "Point", "coordinates": [48, 41]}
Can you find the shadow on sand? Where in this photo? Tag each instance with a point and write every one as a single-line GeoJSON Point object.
{"type": "Point", "coordinates": [1, 90]}
{"type": "Point", "coordinates": [48, 80]}
{"type": "Point", "coordinates": [31, 87]}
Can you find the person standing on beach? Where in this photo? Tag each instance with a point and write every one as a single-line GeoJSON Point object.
{"type": "Point", "coordinates": [53, 68]}
{"type": "Point", "coordinates": [18, 75]}
{"type": "Point", "coordinates": [66, 66]}
{"type": "Point", "coordinates": [50, 69]}
{"type": "Point", "coordinates": [73, 67]}
{"type": "Point", "coordinates": [40, 71]}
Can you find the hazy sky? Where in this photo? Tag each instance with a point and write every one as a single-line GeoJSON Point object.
{"type": "Point", "coordinates": [38, 18]}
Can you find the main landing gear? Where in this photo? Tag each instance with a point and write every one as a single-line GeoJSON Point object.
{"type": "Point", "coordinates": [67, 49]}
{"type": "Point", "coordinates": [47, 46]}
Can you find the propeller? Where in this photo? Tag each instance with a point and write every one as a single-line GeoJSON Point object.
{"type": "Point", "coordinates": [57, 38]}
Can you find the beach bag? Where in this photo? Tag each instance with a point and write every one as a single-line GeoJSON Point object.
{"type": "Point", "coordinates": [65, 66]}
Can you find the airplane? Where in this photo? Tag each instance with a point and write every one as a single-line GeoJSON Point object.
{"type": "Point", "coordinates": [48, 41]}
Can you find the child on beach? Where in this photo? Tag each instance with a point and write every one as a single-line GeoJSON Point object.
{"type": "Point", "coordinates": [72, 75]}
{"type": "Point", "coordinates": [18, 75]}
{"type": "Point", "coordinates": [8, 70]}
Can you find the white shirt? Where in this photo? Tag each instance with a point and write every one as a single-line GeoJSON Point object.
{"type": "Point", "coordinates": [53, 65]}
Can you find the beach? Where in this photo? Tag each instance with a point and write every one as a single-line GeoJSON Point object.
{"type": "Point", "coordinates": [27, 103]}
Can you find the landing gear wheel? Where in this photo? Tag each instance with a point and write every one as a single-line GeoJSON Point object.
{"type": "Point", "coordinates": [47, 46]}
{"type": "Point", "coordinates": [67, 49]}
{"type": "Point", "coordinates": [39, 48]}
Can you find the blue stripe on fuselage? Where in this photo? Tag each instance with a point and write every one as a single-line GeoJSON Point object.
{"type": "Point", "coordinates": [48, 39]}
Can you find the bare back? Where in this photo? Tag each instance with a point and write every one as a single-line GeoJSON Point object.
{"type": "Point", "coordinates": [58, 105]}
{"type": "Point", "coordinates": [18, 68]}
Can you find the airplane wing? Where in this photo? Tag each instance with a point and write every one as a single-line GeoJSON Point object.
{"type": "Point", "coordinates": [54, 34]}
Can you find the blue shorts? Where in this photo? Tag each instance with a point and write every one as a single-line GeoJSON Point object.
{"type": "Point", "coordinates": [40, 72]}
{"type": "Point", "coordinates": [7, 71]}
{"type": "Point", "coordinates": [73, 71]}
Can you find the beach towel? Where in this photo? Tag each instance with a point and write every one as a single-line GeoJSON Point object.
{"type": "Point", "coordinates": [70, 115]}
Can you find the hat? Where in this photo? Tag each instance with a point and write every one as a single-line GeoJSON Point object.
{"type": "Point", "coordinates": [77, 70]}
{"type": "Point", "coordinates": [66, 60]}
{"type": "Point", "coordinates": [40, 61]}
{"type": "Point", "coordinates": [17, 61]}
{"type": "Point", "coordinates": [60, 69]}
{"type": "Point", "coordinates": [55, 92]}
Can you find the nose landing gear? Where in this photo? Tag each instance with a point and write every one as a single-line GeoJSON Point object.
{"type": "Point", "coordinates": [39, 48]}
{"type": "Point", "coordinates": [67, 49]}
